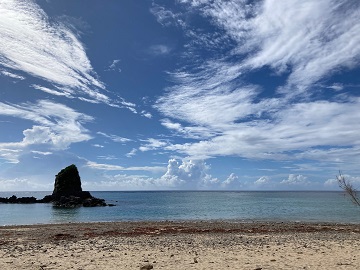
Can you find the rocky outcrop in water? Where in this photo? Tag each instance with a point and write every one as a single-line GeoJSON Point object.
{"type": "Point", "coordinates": [14, 199]}
{"type": "Point", "coordinates": [67, 192]}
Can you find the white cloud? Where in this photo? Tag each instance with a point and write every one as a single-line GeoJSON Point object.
{"type": "Point", "coordinates": [188, 174]}
{"type": "Point", "coordinates": [22, 184]}
{"type": "Point", "coordinates": [127, 182]}
{"type": "Point", "coordinates": [164, 16]}
{"type": "Point", "coordinates": [51, 91]}
{"type": "Point", "coordinates": [309, 39]}
{"type": "Point", "coordinates": [131, 153]}
{"type": "Point", "coordinates": [12, 75]}
{"type": "Point", "coordinates": [152, 144]}
{"type": "Point", "coordinates": [32, 44]}
{"type": "Point", "coordinates": [336, 86]}
{"type": "Point", "coordinates": [198, 98]}
{"type": "Point", "coordinates": [300, 40]}
{"type": "Point", "coordinates": [98, 145]}
{"type": "Point", "coordinates": [231, 182]}
{"type": "Point", "coordinates": [112, 167]}
{"type": "Point", "coordinates": [294, 179]}
{"type": "Point", "coordinates": [110, 157]}
{"type": "Point", "coordinates": [114, 138]}
{"type": "Point", "coordinates": [41, 153]}
{"type": "Point", "coordinates": [313, 129]}
{"type": "Point", "coordinates": [263, 180]}
{"type": "Point", "coordinates": [354, 180]}
{"type": "Point", "coordinates": [50, 49]}
{"type": "Point", "coordinates": [192, 132]}
{"type": "Point", "coordinates": [146, 114]}
{"type": "Point", "coordinates": [56, 126]}
{"type": "Point", "coordinates": [114, 66]}
{"type": "Point", "coordinates": [159, 49]}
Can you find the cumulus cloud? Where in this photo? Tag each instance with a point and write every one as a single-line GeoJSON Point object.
{"type": "Point", "coordinates": [231, 182]}
{"type": "Point", "coordinates": [188, 174]}
{"type": "Point", "coordinates": [263, 180]}
{"type": "Point", "coordinates": [56, 126]}
{"type": "Point", "coordinates": [185, 174]}
{"type": "Point", "coordinates": [333, 182]}
{"type": "Point", "coordinates": [295, 180]}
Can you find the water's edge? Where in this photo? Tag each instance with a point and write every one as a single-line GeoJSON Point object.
{"type": "Point", "coordinates": [233, 206]}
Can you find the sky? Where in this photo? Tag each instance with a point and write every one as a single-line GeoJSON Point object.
{"type": "Point", "coordinates": [181, 94]}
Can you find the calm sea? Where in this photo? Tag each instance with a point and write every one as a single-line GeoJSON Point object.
{"type": "Point", "coordinates": [190, 205]}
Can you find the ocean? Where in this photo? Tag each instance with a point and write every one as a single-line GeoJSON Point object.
{"type": "Point", "coordinates": [302, 206]}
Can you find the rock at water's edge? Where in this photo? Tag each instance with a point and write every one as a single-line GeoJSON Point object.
{"type": "Point", "coordinates": [67, 182]}
{"type": "Point", "coordinates": [67, 192]}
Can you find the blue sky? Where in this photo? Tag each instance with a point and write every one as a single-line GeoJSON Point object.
{"type": "Point", "coordinates": [184, 94]}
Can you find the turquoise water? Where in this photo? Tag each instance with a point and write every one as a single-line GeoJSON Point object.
{"type": "Point", "coordinates": [190, 205]}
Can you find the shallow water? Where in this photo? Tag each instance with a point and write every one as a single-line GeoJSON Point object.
{"type": "Point", "coordinates": [190, 205]}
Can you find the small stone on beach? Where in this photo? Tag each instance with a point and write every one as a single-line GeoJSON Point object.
{"type": "Point", "coordinates": [146, 267]}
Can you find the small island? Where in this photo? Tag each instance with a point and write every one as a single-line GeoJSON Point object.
{"type": "Point", "coordinates": [67, 192]}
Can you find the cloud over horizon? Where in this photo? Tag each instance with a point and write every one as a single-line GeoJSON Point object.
{"type": "Point", "coordinates": [53, 125]}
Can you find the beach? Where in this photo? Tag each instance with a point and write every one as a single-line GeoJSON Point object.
{"type": "Point", "coordinates": [181, 245]}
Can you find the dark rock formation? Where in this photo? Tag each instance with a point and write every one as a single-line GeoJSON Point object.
{"type": "Point", "coordinates": [67, 183]}
{"type": "Point", "coordinates": [67, 192]}
{"type": "Point", "coordinates": [14, 199]}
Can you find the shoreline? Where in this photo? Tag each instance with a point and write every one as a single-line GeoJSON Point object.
{"type": "Point", "coordinates": [181, 245]}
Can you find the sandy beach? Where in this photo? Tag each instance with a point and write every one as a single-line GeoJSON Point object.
{"type": "Point", "coordinates": [180, 245]}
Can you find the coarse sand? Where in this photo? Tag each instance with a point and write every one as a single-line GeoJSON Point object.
{"type": "Point", "coordinates": [181, 245]}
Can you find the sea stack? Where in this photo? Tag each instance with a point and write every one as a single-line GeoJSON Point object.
{"type": "Point", "coordinates": [67, 182]}
{"type": "Point", "coordinates": [68, 192]}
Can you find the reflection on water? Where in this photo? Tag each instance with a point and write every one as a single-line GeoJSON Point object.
{"type": "Point", "coordinates": [59, 215]}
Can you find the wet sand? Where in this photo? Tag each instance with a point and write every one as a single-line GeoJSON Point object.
{"type": "Point", "coordinates": [181, 245]}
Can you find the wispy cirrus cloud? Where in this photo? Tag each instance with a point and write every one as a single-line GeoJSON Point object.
{"type": "Point", "coordinates": [114, 138]}
{"type": "Point", "coordinates": [11, 75]}
{"type": "Point", "coordinates": [49, 49]}
{"type": "Point", "coordinates": [112, 167]}
{"type": "Point", "coordinates": [114, 66]}
{"type": "Point", "coordinates": [159, 49]}
{"type": "Point", "coordinates": [301, 42]}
